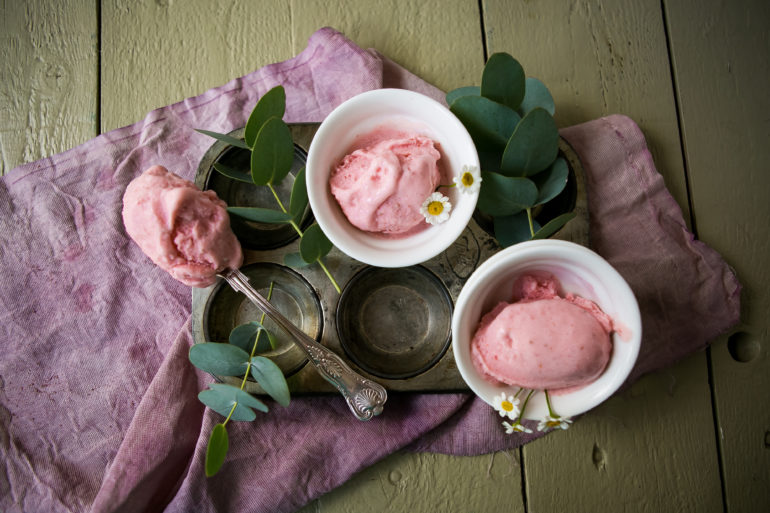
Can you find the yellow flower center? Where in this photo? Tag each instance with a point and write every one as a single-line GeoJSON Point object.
{"type": "Point", "coordinates": [467, 179]}
{"type": "Point", "coordinates": [435, 208]}
{"type": "Point", "coordinates": [506, 405]}
{"type": "Point", "coordinates": [553, 423]}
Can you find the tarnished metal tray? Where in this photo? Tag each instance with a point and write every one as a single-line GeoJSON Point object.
{"type": "Point", "coordinates": [391, 325]}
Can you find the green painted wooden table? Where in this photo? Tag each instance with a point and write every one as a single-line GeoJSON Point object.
{"type": "Point", "coordinates": [693, 74]}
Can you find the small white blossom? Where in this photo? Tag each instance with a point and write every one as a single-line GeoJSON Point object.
{"type": "Point", "coordinates": [436, 208]}
{"type": "Point", "coordinates": [550, 422]}
{"type": "Point", "coordinates": [507, 405]}
{"type": "Point", "coordinates": [469, 180]}
{"type": "Point", "coordinates": [516, 427]}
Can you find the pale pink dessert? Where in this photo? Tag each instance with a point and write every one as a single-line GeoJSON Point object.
{"type": "Point", "coordinates": [184, 231]}
{"type": "Point", "coordinates": [543, 341]}
{"type": "Point", "coordinates": [381, 186]}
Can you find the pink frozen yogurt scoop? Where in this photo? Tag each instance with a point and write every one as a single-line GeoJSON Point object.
{"type": "Point", "coordinates": [184, 231]}
{"type": "Point", "coordinates": [543, 341]}
{"type": "Point", "coordinates": [381, 187]}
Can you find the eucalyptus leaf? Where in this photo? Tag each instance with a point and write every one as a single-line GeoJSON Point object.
{"type": "Point", "coordinates": [503, 80]}
{"type": "Point", "coordinates": [260, 215]}
{"type": "Point", "coordinates": [224, 138]}
{"type": "Point", "coordinates": [502, 195]}
{"type": "Point", "coordinates": [451, 96]}
{"type": "Point", "coordinates": [551, 181]}
{"type": "Point", "coordinates": [232, 173]}
{"type": "Point", "coordinates": [554, 225]}
{"type": "Point", "coordinates": [273, 153]}
{"type": "Point", "coordinates": [299, 200]}
{"type": "Point", "coordinates": [219, 359]}
{"type": "Point", "coordinates": [536, 95]}
{"type": "Point", "coordinates": [216, 450]}
{"type": "Point", "coordinates": [272, 104]}
{"type": "Point", "coordinates": [244, 336]}
{"type": "Point", "coordinates": [510, 230]}
{"type": "Point", "coordinates": [221, 397]}
{"type": "Point", "coordinates": [533, 145]}
{"type": "Point", "coordinates": [295, 260]}
{"type": "Point", "coordinates": [314, 244]}
{"type": "Point", "coordinates": [489, 123]}
{"type": "Point", "coordinates": [270, 378]}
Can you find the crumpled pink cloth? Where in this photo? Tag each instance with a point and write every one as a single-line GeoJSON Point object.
{"type": "Point", "coordinates": [98, 402]}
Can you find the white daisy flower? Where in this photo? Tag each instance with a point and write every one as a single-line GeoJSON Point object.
{"type": "Point", "coordinates": [436, 208]}
{"type": "Point", "coordinates": [551, 422]}
{"type": "Point", "coordinates": [469, 180]}
{"type": "Point", "coordinates": [516, 427]}
{"type": "Point", "coordinates": [506, 405]}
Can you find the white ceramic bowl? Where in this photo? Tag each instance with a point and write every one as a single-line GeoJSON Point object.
{"type": "Point", "coordinates": [359, 115]}
{"type": "Point", "coordinates": [580, 271]}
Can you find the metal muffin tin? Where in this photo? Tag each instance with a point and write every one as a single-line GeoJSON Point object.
{"type": "Point", "coordinates": [391, 325]}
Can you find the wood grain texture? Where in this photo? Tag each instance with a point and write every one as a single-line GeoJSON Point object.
{"type": "Point", "coordinates": [600, 57]}
{"type": "Point", "coordinates": [722, 75]}
{"type": "Point", "coordinates": [48, 78]}
{"type": "Point", "coordinates": [440, 41]}
{"type": "Point", "coordinates": [649, 448]}
{"type": "Point", "coordinates": [157, 52]}
{"type": "Point", "coordinates": [407, 482]}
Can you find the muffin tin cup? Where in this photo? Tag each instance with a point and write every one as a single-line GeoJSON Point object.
{"type": "Point", "coordinates": [392, 325]}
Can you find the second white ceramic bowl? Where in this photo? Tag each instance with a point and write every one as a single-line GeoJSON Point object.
{"type": "Point", "coordinates": [360, 115]}
{"type": "Point", "coordinates": [581, 272]}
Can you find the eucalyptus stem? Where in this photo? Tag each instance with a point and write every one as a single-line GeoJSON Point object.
{"type": "Point", "coordinates": [531, 225]}
{"type": "Point", "coordinates": [331, 278]}
{"type": "Point", "coordinates": [280, 204]}
{"type": "Point", "coordinates": [524, 406]}
{"type": "Point", "coordinates": [253, 352]}
{"type": "Point", "coordinates": [299, 232]}
{"type": "Point", "coordinates": [231, 413]}
{"type": "Point", "coordinates": [548, 403]}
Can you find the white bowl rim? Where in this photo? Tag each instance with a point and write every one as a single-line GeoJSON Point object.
{"type": "Point", "coordinates": [371, 249]}
{"type": "Point", "coordinates": [625, 352]}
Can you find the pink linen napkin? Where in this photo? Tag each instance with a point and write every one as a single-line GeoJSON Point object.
{"type": "Point", "coordinates": [98, 402]}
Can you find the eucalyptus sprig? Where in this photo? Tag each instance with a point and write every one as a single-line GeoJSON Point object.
{"type": "Point", "coordinates": [510, 119]}
{"type": "Point", "coordinates": [234, 403]}
{"type": "Point", "coordinates": [269, 140]}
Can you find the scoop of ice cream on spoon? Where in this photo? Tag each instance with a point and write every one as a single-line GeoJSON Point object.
{"type": "Point", "coordinates": [186, 232]}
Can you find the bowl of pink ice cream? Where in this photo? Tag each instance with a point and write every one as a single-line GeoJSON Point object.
{"type": "Point", "coordinates": [546, 315]}
{"type": "Point", "coordinates": [371, 168]}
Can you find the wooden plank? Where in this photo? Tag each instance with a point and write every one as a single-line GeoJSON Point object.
{"type": "Point", "coordinates": [650, 448]}
{"type": "Point", "coordinates": [440, 41]}
{"type": "Point", "coordinates": [48, 78]}
{"type": "Point", "coordinates": [158, 53]}
{"type": "Point", "coordinates": [719, 54]}
{"type": "Point", "coordinates": [428, 483]}
{"type": "Point", "coordinates": [635, 451]}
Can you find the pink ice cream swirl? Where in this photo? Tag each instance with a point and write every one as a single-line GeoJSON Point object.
{"type": "Point", "coordinates": [381, 187]}
{"type": "Point", "coordinates": [542, 341]}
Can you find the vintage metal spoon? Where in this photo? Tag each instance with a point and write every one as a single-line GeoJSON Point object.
{"type": "Point", "coordinates": [365, 398]}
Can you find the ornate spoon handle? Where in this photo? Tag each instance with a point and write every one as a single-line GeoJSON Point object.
{"type": "Point", "coordinates": [364, 397]}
